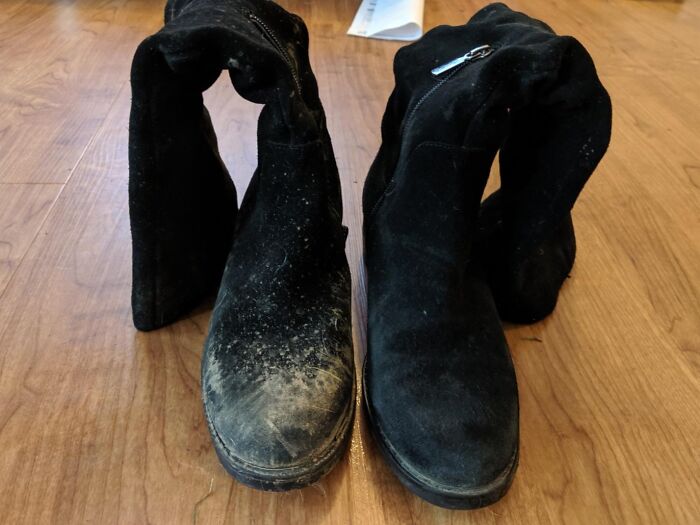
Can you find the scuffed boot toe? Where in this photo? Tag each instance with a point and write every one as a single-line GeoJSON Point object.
{"type": "Point", "coordinates": [278, 423]}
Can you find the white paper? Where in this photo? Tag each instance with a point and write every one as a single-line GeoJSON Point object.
{"type": "Point", "coordinates": [389, 19]}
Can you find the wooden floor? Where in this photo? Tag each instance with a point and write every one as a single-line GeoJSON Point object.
{"type": "Point", "coordinates": [100, 423]}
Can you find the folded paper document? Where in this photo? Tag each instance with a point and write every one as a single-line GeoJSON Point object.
{"type": "Point", "coordinates": [389, 19]}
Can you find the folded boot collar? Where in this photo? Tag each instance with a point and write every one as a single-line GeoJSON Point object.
{"type": "Point", "coordinates": [263, 47]}
{"type": "Point", "coordinates": [528, 64]}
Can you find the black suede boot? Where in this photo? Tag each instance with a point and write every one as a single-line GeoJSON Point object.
{"type": "Point", "coordinates": [558, 132]}
{"type": "Point", "coordinates": [277, 370]}
{"type": "Point", "coordinates": [439, 383]}
{"type": "Point", "coordinates": [182, 203]}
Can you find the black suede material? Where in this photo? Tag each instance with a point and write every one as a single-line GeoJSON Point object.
{"type": "Point", "coordinates": [439, 381]}
{"type": "Point", "coordinates": [277, 369]}
{"type": "Point", "coordinates": [558, 133]}
{"type": "Point", "coordinates": [440, 386]}
{"type": "Point", "coordinates": [182, 203]}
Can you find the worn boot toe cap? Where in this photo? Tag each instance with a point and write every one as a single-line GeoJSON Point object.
{"type": "Point", "coordinates": [278, 428]}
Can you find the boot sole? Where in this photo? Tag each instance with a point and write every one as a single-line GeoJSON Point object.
{"type": "Point", "coordinates": [441, 496]}
{"type": "Point", "coordinates": [288, 478]}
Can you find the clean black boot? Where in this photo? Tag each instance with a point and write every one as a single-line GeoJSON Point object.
{"type": "Point", "coordinates": [277, 370]}
{"type": "Point", "coordinates": [557, 135]}
{"type": "Point", "coordinates": [439, 383]}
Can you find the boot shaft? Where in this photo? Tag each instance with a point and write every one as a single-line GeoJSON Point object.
{"type": "Point", "coordinates": [533, 92]}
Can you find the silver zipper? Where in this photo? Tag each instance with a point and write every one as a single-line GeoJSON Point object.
{"type": "Point", "coordinates": [272, 38]}
{"type": "Point", "coordinates": [475, 54]}
{"type": "Point", "coordinates": [453, 66]}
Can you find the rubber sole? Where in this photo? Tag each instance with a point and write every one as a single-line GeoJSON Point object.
{"type": "Point", "coordinates": [448, 498]}
{"type": "Point", "coordinates": [289, 478]}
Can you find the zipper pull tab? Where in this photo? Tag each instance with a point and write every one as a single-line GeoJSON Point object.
{"type": "Point", "coordinates": [475, 54]}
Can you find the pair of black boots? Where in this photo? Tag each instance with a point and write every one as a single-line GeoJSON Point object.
{"type": "Point", "coordinates": [278, 379]}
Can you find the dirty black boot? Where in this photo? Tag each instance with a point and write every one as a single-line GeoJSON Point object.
{"type": "Point", "coordinates": [439, 383]}
{"type": "Point", "coordinates": [182, 203]}
{"type": "Point", "coordinates": [557, 135]}
{"type": "Point", "coordinates": [277, 370]}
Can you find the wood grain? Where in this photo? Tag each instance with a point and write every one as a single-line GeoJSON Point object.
{"type": "Point", "coordinates": [100, 423]}
{"type": "Point", "coordinates": [23, 208]}
{"type": "Point", "coordinates": [61, 64]}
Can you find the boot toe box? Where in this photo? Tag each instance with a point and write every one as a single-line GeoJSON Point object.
{"type": "Point", "coordinates": [276, 421]}
{"type": "Point", "coordinates": [448, 426]}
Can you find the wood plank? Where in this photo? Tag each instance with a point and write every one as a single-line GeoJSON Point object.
{"type": "Point", "coordinates": [23, 208]}
{"type": "Point", "coordinates": [61, 65]}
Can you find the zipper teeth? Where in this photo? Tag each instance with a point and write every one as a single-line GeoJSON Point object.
{"type": "Point", "coordinates": [428, 94]}
{"type": "Point", "coordinates": [409, 120]}
{"type": "Point", "coordinates": [275, 42]}
{"type": "Point", "coordinates": [456, 69]}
